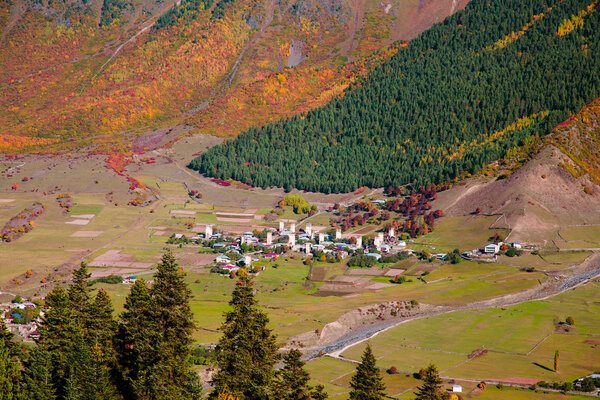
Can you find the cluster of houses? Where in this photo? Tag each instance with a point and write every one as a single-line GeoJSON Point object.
{"type": "Point", "coordinates": [12, 315]}
{"type": "Point", "coordinates": [309, 240]}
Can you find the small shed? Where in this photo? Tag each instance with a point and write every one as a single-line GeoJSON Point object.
{"type": "Point", "coordinates": [456, 389]}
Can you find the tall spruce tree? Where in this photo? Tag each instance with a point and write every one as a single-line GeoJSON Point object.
{"type": "Point", "coordinates": [432, 385]}
{"type": "Point", "coordinates": [10, 364]}
{"type": "Point", "coordinates": [291, 382]}
{"type": "Point", "coordinates": [247, 352]}
{"type": "Point", "coordinates": [154, 338]}
{"type": "Point", "coordinates": [75, 351]}
{"type": "Point", "coordinates": [136, 340]}
{"type": "Point", "coordinates": [37, 375]}
{"type": "Point", "coordinates": [367, 383]}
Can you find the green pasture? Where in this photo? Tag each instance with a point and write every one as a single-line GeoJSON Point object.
{"type": "Point", "coordinates": [590, 233]}
{"type": "Point", "coordinates": [474, 233]}
{"type": "Point", "coordinates": [85, 209]}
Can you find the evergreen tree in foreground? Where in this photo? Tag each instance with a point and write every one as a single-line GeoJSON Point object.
{"type": "Point", "coordinates": [367, 383]}
{"type": "Point", "coordinates": [291, 382]}
{"type": "Point", "coordinates": [10, 373]}
{"type": "Point", "coordinates": [74, 358]}
{"type": "Point", "coordinates": [247, 352]}
{"type": "Point", "coordinates": [432, 385]}
{"type": "Point", "coordinates": [154, 337]}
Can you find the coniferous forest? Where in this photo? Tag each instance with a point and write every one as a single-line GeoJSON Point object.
{"type": "Point", "coordinates": [84, 352]}
{"type": "Point", "coordinates": [458, 97]}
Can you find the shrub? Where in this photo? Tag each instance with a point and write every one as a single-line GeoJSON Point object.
{"type": "Point", "coordinates": [511, 252]}
{"type": "Point", "coordinates": [361, 261]}
{"type": "Point", "coordinates": [111, 279]}
{"type": "Point", "coordinates": [567, 386]}
{"type": "Point", "coordinates": [570, 320]}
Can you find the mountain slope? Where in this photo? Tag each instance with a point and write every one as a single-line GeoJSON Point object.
{"type": "Point", "coordinates": [458, 97]}
{"type": "Point", "coordinates": [100, 72]}
{"type": "Point", "coordinates": [557, 187]}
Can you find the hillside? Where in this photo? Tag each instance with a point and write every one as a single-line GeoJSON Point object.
{"type": "Point", "coordinates": [102, 72]}
{"type": "Point", "coordinates": [460, 96]}
{"type": "Point", "coordinates": [557, 187]}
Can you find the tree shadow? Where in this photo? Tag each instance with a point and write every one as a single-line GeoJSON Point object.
{"type": "Point", "coordinates": [542, 366]}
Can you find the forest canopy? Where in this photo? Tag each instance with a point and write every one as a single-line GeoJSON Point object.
{"type": "Point", "coordinates": [461, 95]}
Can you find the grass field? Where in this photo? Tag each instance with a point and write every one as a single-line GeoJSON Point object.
{"type": "Point", "coordinates": [474, 231]}
{"type": "Point", "coordinates": [510, 334]}
{"type": "Point", "coordinates": [590, 233]}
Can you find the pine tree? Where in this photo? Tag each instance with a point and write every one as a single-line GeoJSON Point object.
{"type": "Point", "coordinates": [57, 332]}
{"type": "Point", "coordinates": [432, 385]}
{"type": "Point", "coordinates": [10, 373]}
{"type": "Point", "coordinates": [556, 360]}
{"type": "Point", "coordinates": [138, 333]}
{"type": "Point", "coordinates": [154, 338]}
{"type": "Point", "coordinates": [291, 382]}
{"type": "Point", "coordinates": [367, 383]}
{"type": "Point", "coordinates": [37, 375]}
{"type": "Point", "coordinates": [247, 352]}
{"type": "Point", "coordinates": [79, 294]}
{"type": "Point", "coordinates": [76, 341]}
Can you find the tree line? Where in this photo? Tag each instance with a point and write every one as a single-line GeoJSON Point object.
{"type": "Point", "coordinates": [85, 353]}
{"type": "Point", "coordinates": [447, 104]}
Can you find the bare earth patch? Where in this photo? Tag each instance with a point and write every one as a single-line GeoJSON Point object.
{"type": "Point", "coordinates": [183, 212]}
{"type": "Point", "coordinates": [78, 222]}
{"type": "Point", "coordinates": [83, 216]}
{"type": "Point", "coordinates": [522, 381]}
{"type": "Point", "coordinates": [366, 271]}
{"type": "Point", "coordinates": [87, 234]}
{"type": "Point", "coordinates": [240, 220]}
{"type": "Point", "coordinates": [97, 273]}
{"type": "Point", "coordinates": [6, 200]}
{"type": "Point", "coordinates": [394, 272]}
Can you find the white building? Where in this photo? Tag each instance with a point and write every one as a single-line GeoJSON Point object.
{"type": "Point", "coordinates": [208, 231]}
{"type": "Point", "coordinates": [377, 242]}
{"type": "Point", "coordinates": [491, 248]}
{"type": "Point", "coordinates": [338, 234]}
{"type": "Point", "coordinates": [269, 237]}
{"type": "Point", "coordinates": [281, 226]}
{"type": "Point", "coordinates": [456, 389]}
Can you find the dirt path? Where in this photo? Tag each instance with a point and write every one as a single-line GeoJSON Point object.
{"type": "Point", "coordinates": [270, 6]}
{"type": "Point", "coordinates": [16, 12]}
{"type": "Point", "coordinates": [221, 87]}
{"type": "Point", "coordinates": [150, 24]}
{"type": "Point", "coordinates": [355, 25]}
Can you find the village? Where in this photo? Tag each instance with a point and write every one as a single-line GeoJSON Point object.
{"type": "Point", "coordinates": [236, 251]}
